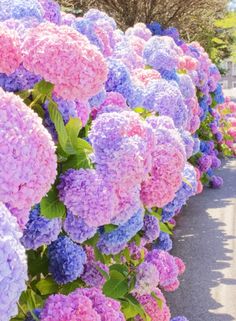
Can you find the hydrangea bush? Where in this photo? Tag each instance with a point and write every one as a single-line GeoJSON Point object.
{"type": "Point", "coordinates": [104, 136]}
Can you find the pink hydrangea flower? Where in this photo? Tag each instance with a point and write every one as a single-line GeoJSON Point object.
{"type": "Point", "coordinates": [10, 52]}
{"type": "Point", "coordinates": [139, 30]}
{"type": "Point", "coordinates": [83, 111]}
{"type": "Point", "coordinates": [64, 57]}
{"type": "Point", "coordinates": [168, 266]}
{"type": "Point", "coordinates": [27, 155]}
{"type": "Point", "coordinates": [82, 305]}
{"type": "Point", "coordinates": [152, 308]}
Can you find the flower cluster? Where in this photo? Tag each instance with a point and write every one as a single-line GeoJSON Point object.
{"type": "Point", "coordinates": [70, 63]}
{"type": "Point", "coordinates": [40, 230]}
{"type": "Point", "coordinates": [28, 160]}
{"type": "Point", "coordinates": [13, 268]}
{"type": "Point", "coordinates": [66, 260]}
{"type": "Point", "coordinates": [137, 127]}
{"type": "Point", "coordinates": [83, 304]}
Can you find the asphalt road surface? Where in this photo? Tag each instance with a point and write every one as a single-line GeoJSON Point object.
{"type": "Point", "coordinates": [205, 238]}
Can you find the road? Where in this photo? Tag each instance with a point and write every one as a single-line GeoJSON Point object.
{"type": "Point", "coordinates": [205, 238]}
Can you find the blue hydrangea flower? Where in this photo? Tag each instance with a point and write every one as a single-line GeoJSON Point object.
{"type": "Point", "coordinates": [66, 260]}
{"type": "Point", "coordinates": [218, 94]}
{"type": "Point", "coordinates": [115, 241]}
{"type": "Point", "coordinates": [167, 215]}
{"type": "Point", "coordinates": [155, 28]}
{"type": "Point", "coordinates": [98, 99]}
{"type": "Point", "coordinates": [39, 230]}
{"type": "Point", "coordinates": [151, 228]}
{"type": "Point", "coordinates": [20, 80]}
{"type": "Point", "coordinates": [118, 78]}
{"type": "Point", "coordinates": [77, 229]}
{"type": "Point", "coordinates": [187, 189]}
{"type": "Point", "coordinates": [169, 74]}
{"type": "Point", "coordinates": [164, 242]}
{"type": "Point", "coordinates": [29, 316]}
{"type": "Point", "coordinates": [19, 9]}
{"type": "Point", "coordinates": [204, 107]}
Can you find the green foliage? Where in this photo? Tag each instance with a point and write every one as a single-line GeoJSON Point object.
{"type": "Point", "coordinates": [51, 206]}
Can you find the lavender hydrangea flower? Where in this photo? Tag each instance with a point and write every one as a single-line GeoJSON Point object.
{"type": "Point", "coordinates": [21, 79]}
{"type": "Point", "coordinates": [13, 267]}
{"type": "Point", "coordinates": [115, 241]}
{"type": "Point", "coordinates": [52, 11]}
{"type": "Point", "coordinates": [24, 8]}
{"type": "Point", "coordinates": [66, 260]}
{"type": "Point", "coordinates": [151, 228]}
{"type": "Point", "coordinates": [216, 181]}
{"type": "Point", "coordinates": [118, 79]}
{"type": "Point", "coordinates": [161, 53]}
{"type": "Point", "coordinates": [164, 242]}
{"type": "Point", "coordinates": [39, 230]}
{"type": "Point", "coordinates": [204, 162]}
{"type": "Point", "coordinates": [165, 98]}
{"type": "Point", "coordinates": [92, 275]}
{"type": "Point", "coordinates": [147, 278]}
{"type": "Point", "coordinates": [77, 229]}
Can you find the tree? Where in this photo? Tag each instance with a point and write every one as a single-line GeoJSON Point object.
{"type": "Point", "coordinates": [195, 19]}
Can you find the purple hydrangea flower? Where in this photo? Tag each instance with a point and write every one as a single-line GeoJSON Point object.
{"type": "Point", "coordinates": [92, 275]}
{"type": "Point", "coordinates": [52, 11]}
{"type": "Point", "coordinates": [21, 79]}
{"type": "Point", "coordinates": [39, 230]}
{"type": "Point", "coordinates": [77, 229]}
{"type": "Point", "coordinates": [151, 228]}
{"type": "Point", "coordinates": [115, 241]}
{"type": "Point", "coordinates": [216, 181]}
{"type": "Point", "coordinates": [66, 260]}
{"type": "Point", "coordinates": [204, 162]}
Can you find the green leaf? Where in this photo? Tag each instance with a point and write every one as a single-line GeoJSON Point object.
{"type": "Point", "coordinates": [37, 264]}
{"type": "Point", "coordinates": [122, 269]}
{"type": "Point", "coordinates": [77, 161]}
{"type": "Point", "coordinates": [58, 122]}
{"type": "Point", "coordinates": [47, 286]}
{"type": "Point", "coordinates": [187, 182]}
{"type": "Point", "coordinates": [50, 205]}
{"type": "Point", "coordinates": [109, 228]}
{"type": "Point", "coordinates": [165, 228]}
{"type": "Point", "coordinates": [158, 300]}
{"type": "Point", "coordinates": [134, 308]}
{"type": "Point", "coordinates": [44, 88]}
{"type": "Point", "coordinates": [103, 272]}
{"type": "Point", "coordinates": [73, 128]}
{"type": "Point", "coordinates": [98, 255]}
{"type": "Point", "coordinates": [117, 286]}
{"type": "Point", "coordinates": [70, 287]}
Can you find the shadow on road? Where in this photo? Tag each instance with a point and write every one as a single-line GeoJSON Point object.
{"type": "Point", "coordinates": [202, 240]}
